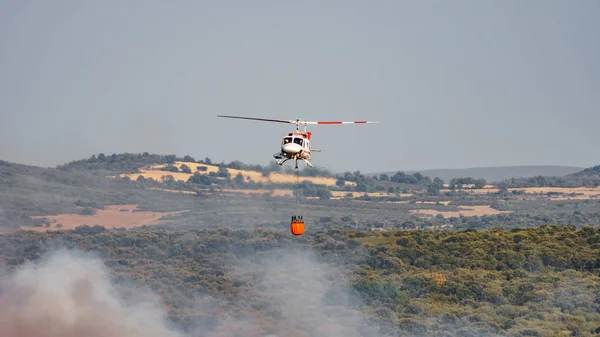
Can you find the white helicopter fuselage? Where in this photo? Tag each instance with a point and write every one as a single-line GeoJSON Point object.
{"type": "Point", "coordinates": [295, 146]}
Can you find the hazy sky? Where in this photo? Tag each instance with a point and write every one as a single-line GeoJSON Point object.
{"type": "Point", "coordinates": [453, 83]}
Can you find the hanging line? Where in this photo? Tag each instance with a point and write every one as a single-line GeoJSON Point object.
{"type": "Point", "coordinates": [297, 192]}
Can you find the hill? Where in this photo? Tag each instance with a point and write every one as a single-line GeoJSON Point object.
{"type": "Point", "coordinates": [183, 171]}
{"type": "Point", "coordinates": [588, 177]}
{"type": "Point", "coordinates": [499, 173]}
{"type": "Point", "coordinates": [383, 256]}
{"type": "Point", "coordinates": [538, 282]}
{"type": "Point", "coordinates": [138, 190]}
{"type": "Point", "coordinates": [100, 191]}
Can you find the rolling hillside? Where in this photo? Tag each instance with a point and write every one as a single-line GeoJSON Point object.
{"type": "Point", "coordinates": [155, 172]}
{"type": "Point", "coordinates": [419, 260]}
{"type": "Point", "coordinates": [499, 173]}
{"type": "Point", "coordinates": [137, 190]}
{"type": "Point", "coordinates": [542, 282]}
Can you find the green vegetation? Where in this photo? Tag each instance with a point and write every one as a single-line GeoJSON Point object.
{"type": "Point", "coordinates": [589, 177]}
{"type": "Point", "coordinates": [494, 174]}
{"type": "Point", "coordinates": [524, 282]}
{"type": "Point", "coordinates": [81, 186]}
{"type": "Point", "coordinates": [530, 272]}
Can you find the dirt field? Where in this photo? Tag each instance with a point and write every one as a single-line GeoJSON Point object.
{"type": "Point", "coordinates": [473, 191]}
{"type": "Point", "coordinates": [279, 192]}
{"type": "Point", "coordinates": [342, 194]}
{"type": "Point", "coordinates": [155, 173]}
{"type": "Point", "coordinates": [172, 191]}
{"type": "Point", "coordinates": [114, 216]}
{"type": "Point", "coordinates": [583, 192]}
{"type": "Point", "coordinates": [471, 185]}
{"type": "Point", "coordinates": [466, 211]}
{"type": "Point", "coordinates": [433, 202]}
{"type": "Point", "coordinates": [275, 193]}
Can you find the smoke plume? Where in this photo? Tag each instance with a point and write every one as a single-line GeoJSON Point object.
{"type": "Point", "coordinates": [70, 294]}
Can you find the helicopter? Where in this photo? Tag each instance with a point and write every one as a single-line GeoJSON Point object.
{"type": "Point", "coordinates": [296, 145]}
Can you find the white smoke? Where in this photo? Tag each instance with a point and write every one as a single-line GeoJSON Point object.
{"type": "Point", "coordinates": [304, 297]}
{"type": "Point", "coordinates": [70, 294]}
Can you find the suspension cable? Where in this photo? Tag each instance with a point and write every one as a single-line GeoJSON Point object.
{"type": "Point", "coordinates": [297, 191]}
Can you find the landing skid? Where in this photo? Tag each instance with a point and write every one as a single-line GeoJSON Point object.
{"type": "Point", "coordinates": [280, 159]}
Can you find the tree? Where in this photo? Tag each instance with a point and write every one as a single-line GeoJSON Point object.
{"type": "Point", "coordinates": [170, 159]}
{"type": "Point", "coordinates": [324, 194]}
{"type": "Point", "coordinates": [88, 211]}
{"type": "Point", "coordinates": [236, 164]}
{"type": "Point", "coordinates": [185, 168]}
{"type": "Point", "coordinates": [170, 168]}
{"type": "Point", "coordinates": [224, 172]}
{"type": "Point", "coordinates": [239, 179]}
{"type": "Point", "coordinates": [202, 179]}
{"type": "Point", "coordinates": [480, 183]}
{"type": "Point", "coordinates": [433, 189]}
{"type": "Point", "coordinates": [401, 177]}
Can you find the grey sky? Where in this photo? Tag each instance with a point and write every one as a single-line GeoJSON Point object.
{"type": "Point", "coordinates": [453, 83]}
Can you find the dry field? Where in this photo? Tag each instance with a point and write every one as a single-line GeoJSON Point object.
{"type": "Point", "coordinates": [471, 185]}
{"type": "Point", "coordinates": [113, 216]}
{"type": "Point", "coordinates": [278, 192]}
{"type": "Point", "coordinates": [447, 202]}
{"type": "Point", "coordinates": [473, 191]}
{"type": "Point", "coordinates": [172, 191]}
{"type": "Point", "coordinates": [274, 193]}
{"type": "Point", "coordinates": [342, 194]}
{"type": "Point", "coordinates": [155, 173]}
{"type": "Point", "coordinates": [581, 192]}
{"type": "Point", "coordinates": [465, 211]}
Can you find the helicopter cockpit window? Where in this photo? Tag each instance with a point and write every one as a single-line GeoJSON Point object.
{"type": "Point", "coordinates": [298, 141]}
{"type": "Point", "coordinates": [287, 140]}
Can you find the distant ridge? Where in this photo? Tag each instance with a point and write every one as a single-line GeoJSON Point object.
{"type": "Point", "coordinates": [491, 174]}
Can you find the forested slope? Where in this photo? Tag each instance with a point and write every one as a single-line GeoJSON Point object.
{"type": "Point", "coordinates": [541, 281]}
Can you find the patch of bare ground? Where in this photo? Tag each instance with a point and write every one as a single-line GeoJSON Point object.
{"type": "Point", "coordinates": [172, 191]}
{"type": "Point", "coordinates": [576, 191]}
{"type": "Point", "coordinates": [472, 191]}
{"type": "Point", "coordinates": [154, 172]}
{"type": "Point", "coordinates": [113, 216]}
{"type": "Point", "coordinates": [352, 194]}
{"type": "Point", "coordinates": [465, 211]}
{"type": "Point", "coordinates": [558, 193]}
{"type": "Point", "coordinates": [280, 192]}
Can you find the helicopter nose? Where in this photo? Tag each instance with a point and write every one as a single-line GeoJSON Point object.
{"type": "Point", "coordinates": [291, 148]}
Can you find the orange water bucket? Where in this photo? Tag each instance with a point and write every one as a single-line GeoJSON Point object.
{"type": "Point", "coordinates": [297, 225]}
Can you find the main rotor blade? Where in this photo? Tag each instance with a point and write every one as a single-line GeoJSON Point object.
{"type": "Point", "coordinates": [330, 123]}
{"type": "Point", "coordinates": [261, 119]}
